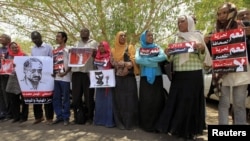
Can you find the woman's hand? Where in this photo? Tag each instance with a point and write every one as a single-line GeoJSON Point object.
{"type": "Point", "coordinates": [166, 51]}
{"type": "Point", "coordinates": [200, 47]}
{"type": "Point", "coordinates": [247, 30]}
{"type": "Point", "coordinates": [207, 38]}
{"type": "Point", "coordinates": [121, 64]}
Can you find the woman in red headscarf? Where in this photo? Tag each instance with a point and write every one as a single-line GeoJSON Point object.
{"type": "Point", "coordinates": [103, 103]}
{"type": "Point", "coordinates": [13, 88]}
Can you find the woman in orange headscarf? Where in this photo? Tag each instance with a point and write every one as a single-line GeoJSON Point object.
{"type": "Point", "coordinates": [125, 93]}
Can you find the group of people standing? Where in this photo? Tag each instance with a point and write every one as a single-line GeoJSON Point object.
{"type": "Point", "coordinates": [182, 114]}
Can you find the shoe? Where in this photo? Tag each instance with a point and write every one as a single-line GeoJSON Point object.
{"type": "Point", "coordinates": [66, 122]}
{"type": "Point", "coordinates": [89, 122]}
{"type": "Point", "coordinates": [2, 117]}
{"type": "Point", "coordinates": [38, 120]}
{"type": "Point", "coordinates": [49, 121]}
{"type": "Point", "coordinates": [22, 120]}
{"type": "Point", "coordinates": [73, 122]}
{"type": "Point", "coordinates": [15, 120]}
{"type": "Point", "coordinates": [7, 118]}
{"type": "Point", "coordinates": [57, 121]}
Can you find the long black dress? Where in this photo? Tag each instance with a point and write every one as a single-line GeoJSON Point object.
{"type": "Point", "coordinates": [125, 102]}
{"type": "Point", "coordinates": [184, 112]}
{"type": "Point", "coordinates": [151, 103]}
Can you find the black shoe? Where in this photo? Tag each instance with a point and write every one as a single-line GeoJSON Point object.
{"type": "Point", "coordinates": [38, 120]}
{"type": "Point", "coordinates": [22, 120]}
{"type": "Point", "coordinates": [57, 121]}
{"type": "Point", "coordinates": [7, 118]}
{"type": "Point", "coordinates": [89, 122]}
{"type": "Point", "coordinates": [2, 117]}
{"type": "Point", "coordinates": [15, 120]}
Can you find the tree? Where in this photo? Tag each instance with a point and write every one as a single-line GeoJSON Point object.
{"type": "Point", "coordinates": [104, 18]}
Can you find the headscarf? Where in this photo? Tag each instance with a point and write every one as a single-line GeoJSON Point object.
{"type": "Point", "coordinates": [19, 52]}
{"type": "Point", "coordinates": [118, 49]}
{"type": "Point", "coordinates": [143, 39]}
{"type": "Point", "coordinates": [231, 18]}
{"type": "Point", "coordinates": [105, 55]}
{"type": "Point", "coordinates": [101, 57]}
{"type": "Point", "coordinates": [150, 72]}
{"type": "Point", "coordinates": [193, 35]}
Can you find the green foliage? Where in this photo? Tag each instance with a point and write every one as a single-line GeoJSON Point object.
{"type": "Point", "coordinates": [104, 18]}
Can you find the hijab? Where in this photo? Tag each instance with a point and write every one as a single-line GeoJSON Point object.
{"type": "Point", "coordinates": [106, 54]}
{"type": "Point", "coordinates": [143, 39]}
{"type": "Point", "coordinates": [231, 22]}
{"type": "Point", "coordinates": [193, 35]}
{"type": "Point", "coordinates": [119, 48]}
{"type": "Point", "coordinates": [102, 57]}
{"type": "Point", "coordinates": [19, 52]}
{"type": "Point", "coordinates": [150, 72]}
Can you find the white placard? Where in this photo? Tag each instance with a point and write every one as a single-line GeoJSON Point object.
{"type": "Point", "coordinates": [34, 77]}
{"type": "Point", "coordinates": [102, 78]}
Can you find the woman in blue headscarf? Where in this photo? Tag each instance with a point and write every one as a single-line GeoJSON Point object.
{"type": "Point", "coordinates": [151, 95]}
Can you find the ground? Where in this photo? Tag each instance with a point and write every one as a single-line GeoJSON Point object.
{"type": "Point", "coordinates": [42, 132]}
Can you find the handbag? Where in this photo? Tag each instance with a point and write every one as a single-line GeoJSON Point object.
{"type": "Point", "coordinates": [166, 68]}
{"type": "Point", "coordinates": [13, 85]}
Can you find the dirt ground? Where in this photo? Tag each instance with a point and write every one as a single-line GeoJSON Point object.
{"type": "Point", "coordinates": [41, 132]}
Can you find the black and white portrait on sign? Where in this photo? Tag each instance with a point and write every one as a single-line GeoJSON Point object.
{"type": "Point", "coordinates": [32, 69]}
{"type": "Point", "coordinates": [34, 76]}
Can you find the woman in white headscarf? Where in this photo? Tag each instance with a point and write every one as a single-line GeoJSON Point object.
{"type": "Point", "coordinates": [184, 113]}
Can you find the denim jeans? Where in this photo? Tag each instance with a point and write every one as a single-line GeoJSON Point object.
{"type": "Point", "coordinates": [61, 99]}
{"type": "Point", "coordinates": [239, 94]}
